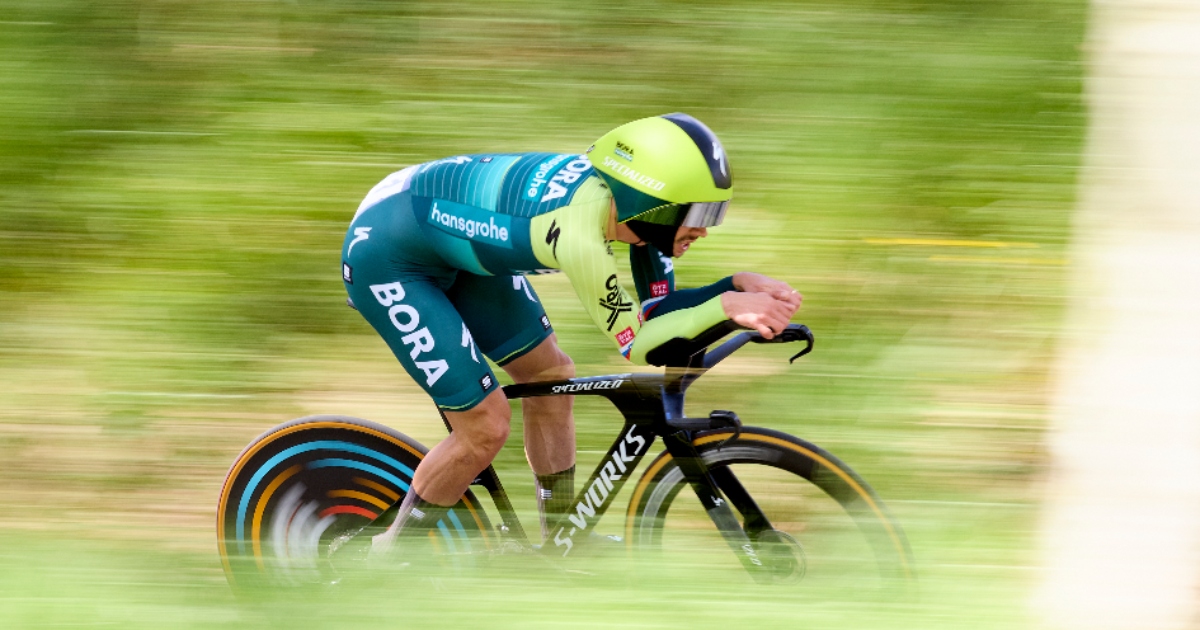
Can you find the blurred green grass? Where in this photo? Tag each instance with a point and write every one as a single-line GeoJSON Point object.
{"type": "Point", "coordinates": [176, 178]}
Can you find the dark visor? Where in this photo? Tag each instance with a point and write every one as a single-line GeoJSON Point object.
{"type": "Point", "coordinates": [705, 214]}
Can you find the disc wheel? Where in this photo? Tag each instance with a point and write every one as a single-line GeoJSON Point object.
{"type": "Point", "coordinates": [304, 487]}
{"type": "Point", "coordinates": [827, 524]}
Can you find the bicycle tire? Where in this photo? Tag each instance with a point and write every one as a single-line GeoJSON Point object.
{"type": "Point", "coordinates": [791, 461]}
{"type": "Point", "coordinates": [301, 484]}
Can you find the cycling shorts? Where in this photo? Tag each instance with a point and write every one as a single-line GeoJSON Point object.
{"type": "Point", "coordinates": [439, 321]}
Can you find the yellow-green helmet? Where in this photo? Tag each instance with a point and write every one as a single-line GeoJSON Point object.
{"type": "Point", "coordinates": [668, 170]}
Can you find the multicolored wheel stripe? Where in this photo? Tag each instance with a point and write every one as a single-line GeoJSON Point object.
{"type": "Point", "coordinates": [367, 499]}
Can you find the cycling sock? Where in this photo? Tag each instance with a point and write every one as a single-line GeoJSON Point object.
{"type": "Point", "coordinates": [414, 517]}
{"type": "Point", "coordinates": [554, 495]}
{"type": "Point", "coordinates": [417, 515]}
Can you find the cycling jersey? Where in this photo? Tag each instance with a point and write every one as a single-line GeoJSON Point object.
{"type": "Point", "coordinates": [436, 255]}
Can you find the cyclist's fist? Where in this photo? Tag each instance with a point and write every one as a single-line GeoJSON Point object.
{"type": "Point", "coordinates": [758, 311]}
{"type": "Point", "coordinates": [748, 282]}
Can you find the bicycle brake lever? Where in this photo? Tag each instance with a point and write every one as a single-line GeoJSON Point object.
{"type": "Point", "coordinates": [798, 333]}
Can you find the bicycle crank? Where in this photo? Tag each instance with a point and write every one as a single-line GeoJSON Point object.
{"type": "Point", "coordinates": [783, 557]}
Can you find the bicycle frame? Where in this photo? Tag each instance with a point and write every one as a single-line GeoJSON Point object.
{"type": "Point", "coordinates": [652, 406]}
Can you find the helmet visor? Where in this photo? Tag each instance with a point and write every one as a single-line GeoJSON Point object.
{"type": "Point", "coordinates": [705, 214]}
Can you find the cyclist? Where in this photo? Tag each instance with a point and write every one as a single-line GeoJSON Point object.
{"type": "Point", "coordinates": [435, 260]}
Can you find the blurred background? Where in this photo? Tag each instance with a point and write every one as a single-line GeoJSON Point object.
{"type": "Point", "coordinates": [176, 179]}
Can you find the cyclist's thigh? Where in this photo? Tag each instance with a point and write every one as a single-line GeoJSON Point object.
{"type": "Point", "coordinates": [427, 335]}
{"type": "Point", "coordinates": [502, 312]}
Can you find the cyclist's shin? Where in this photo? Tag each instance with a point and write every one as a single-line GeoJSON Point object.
{"type": "Point", "coordinates": [554, 495]}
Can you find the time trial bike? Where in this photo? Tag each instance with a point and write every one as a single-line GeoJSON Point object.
{"type": "Point", "coordinates": [783, 506]}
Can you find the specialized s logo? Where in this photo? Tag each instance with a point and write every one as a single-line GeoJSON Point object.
{"type": "Point", "coordinates": [612, 301]}
{"type": "Point", "coordinates": [552, 237]}
{"type": "Point", "coordinates": [718, 154]}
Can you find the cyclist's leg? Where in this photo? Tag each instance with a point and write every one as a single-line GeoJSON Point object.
{"type": "Point", "coordinates": [411, 312]}
{"type": "Point", "coordinates": [524, 344]}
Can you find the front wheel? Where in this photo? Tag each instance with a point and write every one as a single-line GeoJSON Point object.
{"type": "Point", "coordinates": [826, 524]}
{"type": "Point", "coordinates": [302, 489]}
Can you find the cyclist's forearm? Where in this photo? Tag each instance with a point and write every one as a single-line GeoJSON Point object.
{"type": "Point", "coordinates": [690, 298]}
{"type": "Point", "coordinates": [687, 322]}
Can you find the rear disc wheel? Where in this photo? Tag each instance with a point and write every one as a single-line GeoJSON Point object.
{"type": "Point", "coordinates": [307, 487]}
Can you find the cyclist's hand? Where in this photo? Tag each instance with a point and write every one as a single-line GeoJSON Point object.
{"type": "Point", "coordinates": [759, 311]}
{"type": "Point", "coordinates": [748, 282]}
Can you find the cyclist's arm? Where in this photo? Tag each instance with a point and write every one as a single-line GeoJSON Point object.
{"type": "Point", "coordinates": [654, 278]}
{"type": "Point", "coordinates": [583, 254]}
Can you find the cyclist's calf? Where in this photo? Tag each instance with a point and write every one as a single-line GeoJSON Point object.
{"type": "Point", "coordinates": [482, 430]}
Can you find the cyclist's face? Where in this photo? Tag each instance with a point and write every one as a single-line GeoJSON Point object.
{"type": "Point", "coordinates": [685, 237]}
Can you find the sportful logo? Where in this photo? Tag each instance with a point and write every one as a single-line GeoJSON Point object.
{"type": "Point", "coordinates": [632, 175]}
{"type": "Point", "coordinates": [601, 490]}
{"type": "Point", "coordinates": [468, 221]}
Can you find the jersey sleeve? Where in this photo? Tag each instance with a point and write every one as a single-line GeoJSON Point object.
{"type": "Point", "coordinates": [653, 276]}
{"type": "Point", "coordinates": [587, 259]}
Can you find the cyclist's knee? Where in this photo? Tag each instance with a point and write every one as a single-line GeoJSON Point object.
{"type": "Point", "coordinates": [545, 362]}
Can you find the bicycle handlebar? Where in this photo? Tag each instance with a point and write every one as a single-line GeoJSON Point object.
{"type": "Point", "coordinates": [794, 332]}
{"type": "Point", "coordinates": [694, 352]}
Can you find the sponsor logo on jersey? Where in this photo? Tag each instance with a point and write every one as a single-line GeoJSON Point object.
{"type": "Point", "coordinates": [407, 320]}
{"type": "Point", "coordinates": [556, 188]}
{"type": "Point", "coordinates": [541, 175]}
{"type": "Point", "coordinates": [486, 382]}
{"type": "Point", "coordinates": [545, 322]}
{"type": "Point", "coordinates": [347, 274]}
{"type": "Point", "coordinates": [625, 339]}
{"type": "Point", "coordinates": [470, 222]}
{"type": "Point", "coordinates": [598, 495]}
{"type": "Point", "coordinates": [632, 175]}
{"type": "Point", "coordinates": [613, 302]}
{"type": "Point", "coordinates": [659, 289]}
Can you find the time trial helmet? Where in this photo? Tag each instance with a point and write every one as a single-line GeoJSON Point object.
{"type": "Point", "coordinates": [665, 170]}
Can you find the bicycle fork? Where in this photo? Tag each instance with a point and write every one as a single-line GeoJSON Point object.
{"type": "Point", "coordinates": [707, 484]}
